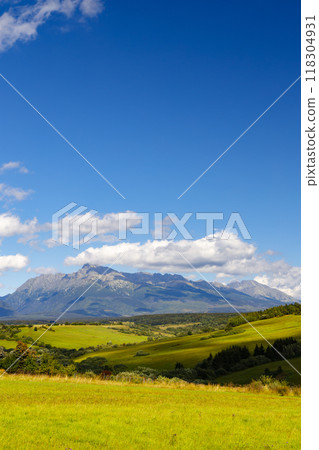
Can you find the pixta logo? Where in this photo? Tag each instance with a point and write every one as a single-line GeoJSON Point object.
{"type": "Point", "coordinates": [74, 225]}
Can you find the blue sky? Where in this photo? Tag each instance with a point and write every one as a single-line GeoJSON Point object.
{"type": "Point", "coordinates": [152, 93]}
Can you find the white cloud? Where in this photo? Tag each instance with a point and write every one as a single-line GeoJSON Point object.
{"type": "Point", "coordinates": [109, 223]}
{"type": "Point", "coordinates": [91, 8]}
{"type": "Point", "coordinates": [42, 270]}
{"type": "Point", "coordinates": [192, 277]}
{"type": "Point", "coordinates": [11, 225]}
{"type": "Point", "coordinates": [286, 278]}
{"type": "Point", "coordinates": [15, 262]}
{"type": "Point", "coordinates": [9, 193]}
{"type": "Point", "coordinates": [206, 255]}
{"type": "Point", "coordinates": [224, 258]}
{"type": "Point", "coordinates": [162, 227]}
{"type": "Point", "coordinates": [270, 252]}
{"type": "Point", "coordinates": [50, 243]}
{"type": "Point", "coordinates": [11, 165]}
{"type": "Point", "coordinates": [106, 227]}
{"type": "Point", "coordinates": [21, 23]}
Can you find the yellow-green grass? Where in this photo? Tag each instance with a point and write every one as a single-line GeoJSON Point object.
{"type": "Point", "coordinates": [189, 350]}
{"type": "Point", "coordinates": [65, 414]}
{"type": "Point", "coordinates": [77, 336]}
{"type": "Point", "coordinates": [254, 373]}
{"type": "Point", "coordinates": [7, 344]}
{"type": "Point", "coordinates": [156, 331]}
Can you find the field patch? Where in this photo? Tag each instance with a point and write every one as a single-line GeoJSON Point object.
{"type": "Point", "coordinates": [78, 336]}
{"type": "Point", "coordinates": [7, 344]}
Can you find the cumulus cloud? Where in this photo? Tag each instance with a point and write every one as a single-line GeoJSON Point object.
{"type": "Point", "coordinates": [286, 278]}
{"type": "Point", "coordinates": [223, 257]}
{"type": "Point", "coordinates": [13, 165]}
{"type": "Point", "coordinates": [105, 227]}
{"type": "Point", "coordinates": [15, 262]}
{"type": "Point", "coordinates": [42, 270]}
{"type": "Point", "coordinates": [10, 193]}
{"type": "Point", "coordinates": [162, 227]}
{"type": "Point", "coordinates": [50, 243]}
{"type": "Point", "coordinates": [206, 255]}
{"type": "Point", "coordinates": [109, 223]}
{"type": "Point", "coordinates": [21, 22]}
{"type": "Point", "coordinates": [11, 225]}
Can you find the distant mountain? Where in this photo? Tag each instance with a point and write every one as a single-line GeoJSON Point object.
{"type": "Point", "coordinates": [5, 311]}
{"type": "Point", "coordinates": [260, 291]}
{"type": "Point", "coordinates": [90, 293]}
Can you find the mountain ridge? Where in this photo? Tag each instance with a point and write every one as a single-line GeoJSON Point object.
{"type": "Point", "coordinates": [98, 291]}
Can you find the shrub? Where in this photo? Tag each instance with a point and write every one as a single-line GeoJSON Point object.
{"type": "Point", "coordinates": [141, 353]}
{"type": "Point", "coordinates": [269, 383]}
{"type": "Point", "coordinates": [131, 377]}
{"type": "Point", "coordinates": [162, 379]}
{"type": "Point", "coordinates": [179, 366]}
{"type": "Point", "coordinates": [119, 368]}
{"type": "Point", "coordinates": [147, 372]}
{"type": "Point", "coordinates": [95, 364]}
{"type": "Point", "coordinates": [220, 372]}
{"type": "Point", "coordinates": [266, 380]}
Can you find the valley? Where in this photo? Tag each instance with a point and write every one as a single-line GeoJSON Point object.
{"type": "Point", "coordinates": [189, 350]}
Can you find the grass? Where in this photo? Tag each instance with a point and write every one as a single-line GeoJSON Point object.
{"type": "Point", "coordinates": [254, 373]}
{"type": "Point", "coordinates": [77, 336]}
{"type": "Point", "coordinates": [7, 344]}
{"type": "Point", "coordinates": [189, 350]}
{"type": "Point", "coordinates": [76, 414]}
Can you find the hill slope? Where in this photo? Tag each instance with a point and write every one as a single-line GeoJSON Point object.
{"type": "Point", "coordinates": [190, 350]}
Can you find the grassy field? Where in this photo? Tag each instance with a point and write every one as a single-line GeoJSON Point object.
{"type": "Point", "coordinates": [7, 344]}
{"type": "Point", "coordinates": [77, 336]}
{"type": "Point", "coordinates": [70, 414]}
{"type": "Point", "coordinates": [189, 350]}
{"type": "Point", "coordinates": [254, 373]}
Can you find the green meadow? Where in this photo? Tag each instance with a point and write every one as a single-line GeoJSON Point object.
{"type": "Point", "coordinates": [44, 413]}
{"type": "Point", "coordinates": [189, 350]}
{"type": "Point", "coordinates": [7, 344]}
{"type": "Point", "coordinates": [254, 373]}
{"type": "Point", "coordinates": [78, 336]}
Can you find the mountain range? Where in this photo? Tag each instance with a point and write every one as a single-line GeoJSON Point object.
{"type": "Point", "coordinates": [95, 291]}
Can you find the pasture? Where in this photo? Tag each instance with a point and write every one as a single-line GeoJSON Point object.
{"type": "Point", "coordinates": [77, 336]}
{"type": "Point", "coordinates": [189, 350]}
{"type": "Point", "coordinates": [7, 344]}
{"type": "Point", "coordinates": [42, 413]}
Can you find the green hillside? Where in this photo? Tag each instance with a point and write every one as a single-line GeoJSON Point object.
{"type": "Point", "coordinates": [189, 350]}
{"type": "Point", "coordinates": [77, 336]}
{"type": "Point", "coordinates": [254, 373]}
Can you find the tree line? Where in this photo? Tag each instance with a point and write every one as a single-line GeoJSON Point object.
{"type": "Point", "coordinates": [276, 311]}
